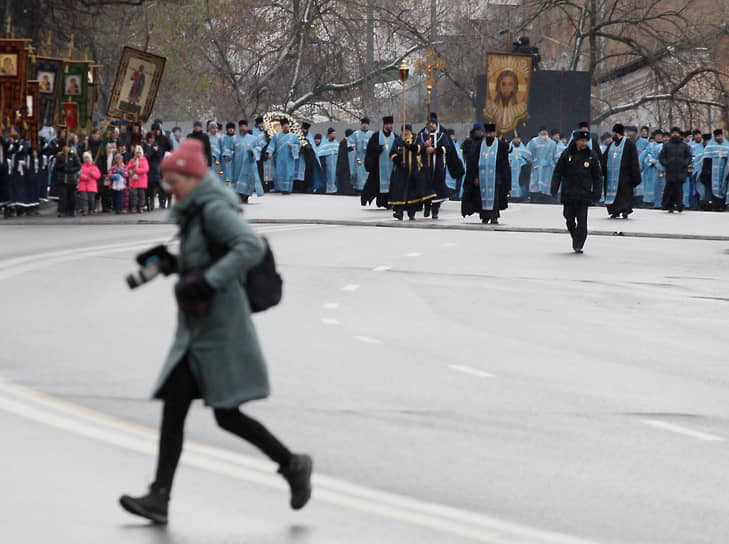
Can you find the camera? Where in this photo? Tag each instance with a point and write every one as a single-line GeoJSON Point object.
{"type": "Point", "coordinates": [153, 262]}
{"type": "Point", "coordinates": [147, 273]}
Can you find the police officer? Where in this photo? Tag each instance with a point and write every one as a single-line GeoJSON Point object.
{"type": "Point", "coordinates": [578, 173]}
{"type": "Point", "coordinates": [215, 355]}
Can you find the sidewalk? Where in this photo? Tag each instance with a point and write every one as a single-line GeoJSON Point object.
{"type": "Point", "coordinates": [345, 210]}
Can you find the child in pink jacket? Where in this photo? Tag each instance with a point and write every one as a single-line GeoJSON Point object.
{"type": "Point", "coordinates": [137, 169]}
{"type": "Point", "coordinates": [87, 185]}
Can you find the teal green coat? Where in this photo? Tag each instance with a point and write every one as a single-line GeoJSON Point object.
{"type": "Point", "coordinates": [221, 347]}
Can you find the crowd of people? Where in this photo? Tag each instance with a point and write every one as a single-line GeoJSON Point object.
{"type": "Point", "coordinates": [409, 172]}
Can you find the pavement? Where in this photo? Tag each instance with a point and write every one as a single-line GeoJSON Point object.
{"type": "Point", "coordinates": [453, 386]}
{"type": "Point", "coordinates": [519, 217]}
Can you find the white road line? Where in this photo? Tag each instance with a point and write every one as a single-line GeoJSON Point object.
{"type": "Point", "coordinates": [20, 265]}
{"type": "Point", "coordinates": [352, 287]}
{"type": "Point", "coordinates": [472, 371]}
{"type": "Point", "coordinates": [414, 254]}
{"type": "Point", "coordinates": [330, 305]}
{"type": "Point", "coordinates": [328, 321]}
{"type": "Point", "coordinates": [64, 415]}
{"type": "Point", "coordinates": [682, 430]}
{"type": "Point", "coordinates": [368, 340]}
{"type": "Point", "coordinates": [381, 268]}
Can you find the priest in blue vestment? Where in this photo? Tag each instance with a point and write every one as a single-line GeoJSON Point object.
{"type": "Point", "coordinates": [379, 165]}
{"type": "Point", "coordinates": [621, 173]}
{"type": "Point", "coordinates": [284, 148]}
{"type": "Point", "coordinates": [488, 178]}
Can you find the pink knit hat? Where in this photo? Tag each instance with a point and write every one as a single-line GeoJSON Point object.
{"type": "Point", "coordinates": [188, 159]}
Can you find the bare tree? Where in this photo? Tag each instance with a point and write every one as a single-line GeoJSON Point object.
{"type": "Point", "coordinates": [647, 56]}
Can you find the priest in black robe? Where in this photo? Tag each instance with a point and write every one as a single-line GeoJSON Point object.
{"type": "Point", "coordinates": [407, 188]}
{"type": "Point", "coordinates": [479, 177]}
{"type": "Point", "coordinates": [438, 154]}
{"type": "Point", "coordinates": [344, 173]}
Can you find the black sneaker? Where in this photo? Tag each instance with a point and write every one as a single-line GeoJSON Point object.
{"type": "Point", "coordinates": [152, 506]}
{"type": "Point", "coordinates": [298, 475]}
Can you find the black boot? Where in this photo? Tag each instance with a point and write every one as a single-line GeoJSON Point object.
{"type": "Point", "coordinates": [298, 475]}
{"type": "Point", "coordinates": [427, 208]}
{"type": "Point", "coordinates": [152, 506]}
{"type": "Point", "coordinates": [436, 210]}
{"type": "Point", "coordinates": [398, 214]}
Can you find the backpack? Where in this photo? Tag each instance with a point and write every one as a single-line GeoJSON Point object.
{"type": "Point", "coordinates": [263, 284]}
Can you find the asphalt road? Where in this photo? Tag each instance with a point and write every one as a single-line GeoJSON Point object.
{"type": "Point", "coordinates": [452, 386]}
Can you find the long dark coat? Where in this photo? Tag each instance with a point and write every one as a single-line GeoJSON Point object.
{"type": "Point", "coordinates": [676, 159]}
{"type": "Point", "coordinates": [579, 175]}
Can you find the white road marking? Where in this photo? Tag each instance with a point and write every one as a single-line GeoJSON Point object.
{"type": "Point", "coordinates": [352, 287]}
{"type": "Point", "coordinates": [381, 268]}
{"type": "Point", "coordinates": [20, 265]}
{"type": "Point", "coordinates": [472, 371]}
{"type": "Point", "coordinates": [94, 425]}
{"type": "Point", "coordinates": [328, 321]}
{"type": "Point", "coordinates": [414, 254]}
{"type": "Point", "coordinates": [682, 430]}
{"type": "Point", "coordinates": [331, 305]}
{"type": "Point", "coordinates": [368, 340]}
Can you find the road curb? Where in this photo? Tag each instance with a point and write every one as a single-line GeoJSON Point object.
{"type": "Point", "coordinates": [432, 225]}
{"type": "Point", "coordinates": [481, 227]}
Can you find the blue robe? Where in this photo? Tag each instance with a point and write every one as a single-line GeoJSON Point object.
{"type": "Point", "coordinates": [657, 175]}
{"type": "Point", "coordinates": [641, 144]}
{"type": "Point", "coordinates": [689, 189]}
{"type": "Point", "coordinates": [284, 149]}
{"type": "Point", "coordinates": [268, 163]}
{"type": "Point", "coordinates": [301, 161]}
{"type": "Point", "coordinates": [327, 154]}
{"type": "Point", "coordinates": [227, 157]}
{"type": "Point", "coordinates": [216, 150]}
{"type": "Point", "coordinates": [651, 172]}
{"type": "Point", "coordinates": [451, 182]}
{"type": "Point", "coordinates": [245, 169]}
{"type": "Point", "coordinates": [542, 157]}
{"type": "Point", "coordinates": [614, 161]}
{"type": "Point", "coordinates": [718, 154]}
{"type": "Point", "coordinates": [518, 158]}
{"type": "Point", "coordinates": [385, 162]}
{"type": "Point", "coordinates": [359, 139]}
{"type": "Point", "coordinates": [487, 174]}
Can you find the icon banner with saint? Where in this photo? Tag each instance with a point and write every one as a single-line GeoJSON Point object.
{"type": "Point", "coordinates": [135, 88]}
{"type": "Point", "coordinates": [507, 89]}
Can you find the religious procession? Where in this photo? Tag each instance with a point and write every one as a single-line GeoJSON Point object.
{"type": "Point", "coordinates": [304, 271]}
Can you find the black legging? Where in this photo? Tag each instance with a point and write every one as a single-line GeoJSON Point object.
{"type": "Point", "coordinates": [180, 390]}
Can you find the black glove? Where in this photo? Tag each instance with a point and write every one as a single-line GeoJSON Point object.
{"type": "Point", "coordinates": [380, 148]}
{"type": "Point", "coordinates": [250, 152]}
{"type": "Point", "coordinates": [193, 294]}
{"type": "Point", "coordinates": [413, 147]}
{"type": "Point", "coordinates": [166, 261]}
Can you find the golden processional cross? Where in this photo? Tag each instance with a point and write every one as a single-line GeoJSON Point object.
{"type": "Point", "coordinates": [429, 65]}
